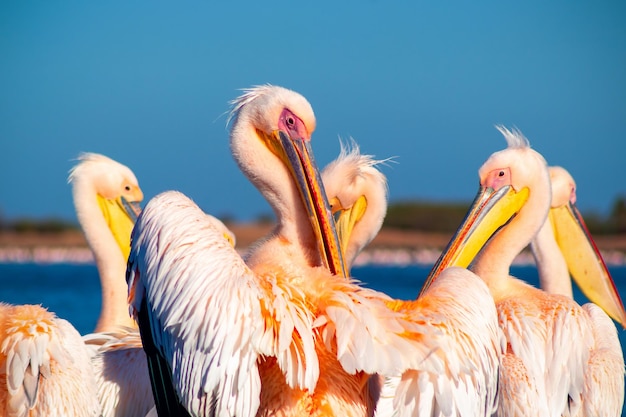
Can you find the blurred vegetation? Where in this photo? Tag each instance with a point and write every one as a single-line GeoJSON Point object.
{"type": "Point", "coordinates": [446, 217]}
{"type": "Point", "coordinates": [426, 216]}
{"type": "Point", "coordinates": [28, 225]}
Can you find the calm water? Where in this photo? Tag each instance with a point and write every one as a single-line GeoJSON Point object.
{"type": "Point", "coordinates": [73, 291]}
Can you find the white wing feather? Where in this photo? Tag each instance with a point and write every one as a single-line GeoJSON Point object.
{"type": "Point", "coordinates": [47, 366]}
{"type": "Point", "coordinates": [604, 382]}
{"type": "Point", "coordinates": [371, 337]}
{"type": "Point", "coordinates": [212, 317]}
{"type": "Point", "coordinates": [460, 377]}
{"type": "Point", "coordinates": [542, 341]}
{"type": "Point", "coordinates": [121, 370]}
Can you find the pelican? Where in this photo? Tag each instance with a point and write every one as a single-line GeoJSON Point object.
{"type": "Point", "coordinates": [603, 393]}
{"type": "Point", "coordinates": [357, 194]}
{"type": "Point", "coordinates": [465, 382]}
{"type": "Point", "coordinates": [283, 331]}
{"type": "Point", "coordinates": [106, 199]}
{"type": "Point", "coordinates": [549, 338]}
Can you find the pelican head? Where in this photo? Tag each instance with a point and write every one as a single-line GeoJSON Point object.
{"type": "Point", "coordinates": [357, 192]}
{"type": "Point", "coordinates": [271, 142]}
{"type": "Point", "coordinates": [581, 254]}
{"type": "Point", "coordinates": [116, 190]}
{"type": "Point", "coordinates": [506, 179]}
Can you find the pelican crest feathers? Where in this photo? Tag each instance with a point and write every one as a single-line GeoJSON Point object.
{"type": "Point", "coordinates": [275, 98]}
{"type": "Point", "coordinates": [249, 94]}
{"type": "Point", "coordinates": [350, 155]}
{"type": "Point", "coordinates": [515, 139]}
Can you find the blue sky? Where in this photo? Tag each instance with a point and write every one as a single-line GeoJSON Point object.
{"type": "Point", "coordinates": [148, 84]}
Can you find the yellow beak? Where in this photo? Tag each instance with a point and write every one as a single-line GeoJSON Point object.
{"type": "Point", "coordinates": [298, 156]}
{"type": "Point", "coordinates": [346, 218]}
{"type": "Point", "coordinates": [489, 211]}
{"type": "Point", "coordinates": [120, 215]}
{"type": "Point", "coordinates": [584, 261]}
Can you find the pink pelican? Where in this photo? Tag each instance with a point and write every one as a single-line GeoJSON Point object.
{"type": "Point", "coordinates": [106, 199]}
{"type": "Point", "coordinates": [549, 337]}
{"type": "Point", "coordinates": [283, 332]}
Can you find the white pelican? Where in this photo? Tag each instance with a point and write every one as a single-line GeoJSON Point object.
{"type": "Point", "coordinates": [277, 334]}
{"type": "Point", "coordinates": [106, 198]}
{"type": "Point", "coordinates": [465, 382]}
{"type": "Point", "coordinates": [357, 194]}
{"type": "Point", "coordinates": [549, 338]}
{"type": "Point", "coordinates": [603, 393]}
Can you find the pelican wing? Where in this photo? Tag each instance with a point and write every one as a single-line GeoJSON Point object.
{"type": "Point", "coordinates": [552, 338]}
{"type": "Point", "coordinates": [604, 381]}
{"type": "Point", "coordinates": [518, 391]}
{"type": "Point", "coordinates": [567, 361]}
{"type": "Point", "coordinates": [460, 375]}
{"type": "Point", "coordinates": [210, 316]}
{"type": "Point", "coordinates": [44, 362]}
{"type": "Point", "coordinates": [119, 363]}
{"type": "Point", "coordinates": [431, 359]}
{"type": "Point", "coordinates": [31, 341]}
{"type": "Point", "coordinates": [368, 335]}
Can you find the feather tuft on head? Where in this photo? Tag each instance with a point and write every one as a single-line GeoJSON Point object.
{"type": "Point", "coordinates": [349, 150]}
{"type": "Point", "coordinates": [514, 138]}
{"type": "Point", "coordinates": [249, 95]}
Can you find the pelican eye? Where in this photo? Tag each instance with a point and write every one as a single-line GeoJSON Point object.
{"type": "Point", "coordinates": [291, 121]}
{"type": "Point", "coordinates": [501, 174]}
{"type": "Point", "coordinates": [127, 188]}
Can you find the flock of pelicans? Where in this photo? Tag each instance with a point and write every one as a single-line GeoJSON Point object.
{"type": "Point", "coordinates": [285, 330]}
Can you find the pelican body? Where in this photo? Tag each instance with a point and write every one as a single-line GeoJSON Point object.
{"type": "Point", "coordinates": [107, 200]}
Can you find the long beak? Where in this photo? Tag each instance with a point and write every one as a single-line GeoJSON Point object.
{"type": "Point", "coordinates": [306, 173]}
{"type": "Point", "coordinates": [120, 216]}
{"type": "Point", "coordinates": [585, 262]}
{"type": "Point", "coordinates": [345, 219]}
{"type": "Point", "coordinates": [489, 211]}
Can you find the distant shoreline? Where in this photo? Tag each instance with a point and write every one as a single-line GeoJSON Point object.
{"type": "Point", "coordinates": [390, 247]}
